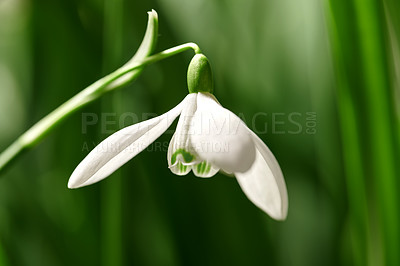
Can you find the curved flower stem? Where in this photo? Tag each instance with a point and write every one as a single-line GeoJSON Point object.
{"type": "Point", "coordinates": [94, 91]}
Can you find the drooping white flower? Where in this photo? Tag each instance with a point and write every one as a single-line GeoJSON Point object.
{"type": "Point", "coordinates": [208, 138]}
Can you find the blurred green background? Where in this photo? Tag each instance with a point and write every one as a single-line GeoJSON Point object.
{"type": "Point", "coordinates": [318, 80]}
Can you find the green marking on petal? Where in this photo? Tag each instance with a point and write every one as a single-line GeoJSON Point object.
{"type": "Point", "coordinates": [182, 168]}
{"type": "Point", "coordinates": [203, 168]}
{"type": "Point", "coordinates": [199, 167]}
{"type": "Point", "coordinates": [187, 156]}
{"type": "Point", "coordinates": [208, 168]}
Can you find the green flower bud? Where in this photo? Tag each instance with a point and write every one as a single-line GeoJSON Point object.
{"type": "Point", "coordinates": [199, 76]}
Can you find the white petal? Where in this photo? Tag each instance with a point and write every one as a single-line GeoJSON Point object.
{"type": "Point", "coordinates": [120, 147]}
{"type": "Point", "coordinates": [181, 161]}
{"type": "Point", "coordinates": [180, 169]}
{"type": "Point", "coordinates": [220, 137]}
{"type": "Point", "coordinates": [180, 155]}
{"type": "Point", "coordinates": [263, 183]}
{"type": "Point", "coordinates": [183, 129]}
{"type": "Point", "coordinates": [179, 165]}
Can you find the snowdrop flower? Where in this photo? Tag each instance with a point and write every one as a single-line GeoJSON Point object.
{"type": "Point", "coordinates": [208, 138]}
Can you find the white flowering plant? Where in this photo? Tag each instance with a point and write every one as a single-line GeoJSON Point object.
{"type": "Point", "coordinates": [208, 138]}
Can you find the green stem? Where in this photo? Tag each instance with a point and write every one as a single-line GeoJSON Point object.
{"type": "Point", "coordinates": [111, 191]}
{"type": "Point", "coordinates": [367, 120]}
{"type": "Point", "coordinates": [353, 166]}
{"type": "Point", "coordinates": [38, 131]}
{"type": "Point", "coordinates": [377, 91]}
